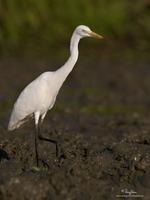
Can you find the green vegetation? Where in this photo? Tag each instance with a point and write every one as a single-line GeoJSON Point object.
{"type": "Point", "coordinates": [47, 21]}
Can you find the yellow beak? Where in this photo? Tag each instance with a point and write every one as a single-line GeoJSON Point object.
{"type": "Point", "coordinates": [95, 35]}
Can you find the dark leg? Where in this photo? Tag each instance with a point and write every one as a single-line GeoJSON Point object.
{"type": "Point", "coordinates": [36, 144]}
{"type": "Point", "coordinates": [49, 140]}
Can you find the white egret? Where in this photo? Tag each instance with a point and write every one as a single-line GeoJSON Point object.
{"type": "Point", "coordinates": [39, 96]}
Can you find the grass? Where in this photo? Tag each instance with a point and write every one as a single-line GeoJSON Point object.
{"type": "Point", "coordinates": [33, 22]}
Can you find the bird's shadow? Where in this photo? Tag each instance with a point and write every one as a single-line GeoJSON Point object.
{"type": "Point", "coordinates": [4, 155]}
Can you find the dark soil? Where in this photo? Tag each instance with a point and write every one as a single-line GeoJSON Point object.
{"type": "Point", "coordinates": [101, 122]}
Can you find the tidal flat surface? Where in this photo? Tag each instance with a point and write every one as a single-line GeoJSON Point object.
{"type": "Point", "coordinates": [101, 121]}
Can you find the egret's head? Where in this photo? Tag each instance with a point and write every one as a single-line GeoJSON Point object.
{"type": "Point", "coordinates": [85, 31]}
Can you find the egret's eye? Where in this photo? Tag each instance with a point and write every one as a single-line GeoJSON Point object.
{"type": "Point", "coordinates": [84, 31]}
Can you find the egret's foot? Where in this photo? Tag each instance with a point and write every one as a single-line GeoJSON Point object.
{"type": "Point", "coordinates": [45, 165]}
{"type": "Point", "coordinates": [60, 160]}
{"type": "Point", "coordinates": [41, 167]}
{"type": "Point", "coordinates": [36, 169]}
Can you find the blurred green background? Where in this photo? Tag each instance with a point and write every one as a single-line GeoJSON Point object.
{"type": "Point", "coordinates": [112, 75]}
{"type": "Point", "coordinates": [43, 24]}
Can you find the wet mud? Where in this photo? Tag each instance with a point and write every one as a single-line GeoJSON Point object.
{"type": "Point", "coordinates": [102, 125]}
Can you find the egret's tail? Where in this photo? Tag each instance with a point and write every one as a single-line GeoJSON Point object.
{"type": "Point", "coordinates": [15, 123]}
{"type": "Point", "coordinates": [12, 126]}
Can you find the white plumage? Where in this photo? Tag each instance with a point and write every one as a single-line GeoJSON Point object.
{"type": "Point", "coordinates": [39, 96]}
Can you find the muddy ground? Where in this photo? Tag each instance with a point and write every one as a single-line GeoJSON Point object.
{"type": "Point", "coordinates": [101, 121]}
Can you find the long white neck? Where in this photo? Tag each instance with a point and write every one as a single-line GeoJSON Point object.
{"type": "Point", "coordinates": [64, 71]}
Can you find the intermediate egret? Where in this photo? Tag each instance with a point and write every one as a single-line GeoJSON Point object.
{"type": "Point", "coordinates": [39, 96]}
